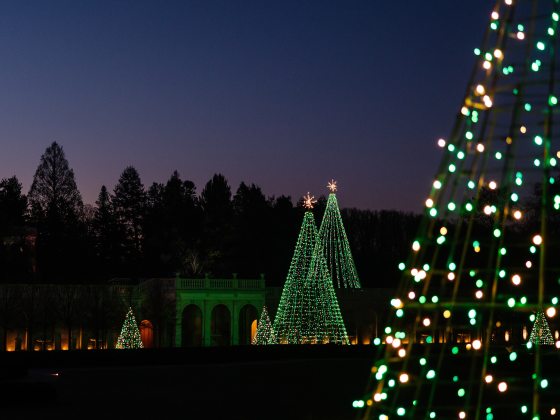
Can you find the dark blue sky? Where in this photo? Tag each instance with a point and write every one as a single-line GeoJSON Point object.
{"type": "Point", "coordinates": [285, 94]}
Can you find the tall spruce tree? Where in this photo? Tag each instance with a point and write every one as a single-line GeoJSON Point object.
{"type": "Point", "coordinates": [129, 204]}
{"type": "Point", "coordinates": [56, 209]}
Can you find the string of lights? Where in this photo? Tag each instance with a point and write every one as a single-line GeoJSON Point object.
{"type": "Point", "coordinates": [482, 265]}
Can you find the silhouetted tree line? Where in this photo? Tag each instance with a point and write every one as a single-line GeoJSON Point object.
{"type": "Point", "coordinates": [167, 229]}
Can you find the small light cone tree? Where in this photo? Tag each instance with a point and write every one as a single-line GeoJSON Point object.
{"type": "Point", "coordinates": [129, 338]}
{"type": "Point", "coordinates": [265, 332]}
{"type": "Point", "coordinates": [334, 242]}
{"type": "Point", "coordinates": [540, 334]}
{"type": "Point", "coordinates": [287, 323]}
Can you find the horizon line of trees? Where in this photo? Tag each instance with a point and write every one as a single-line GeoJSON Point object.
{"type": "Point", "coordinates": [50, 236]}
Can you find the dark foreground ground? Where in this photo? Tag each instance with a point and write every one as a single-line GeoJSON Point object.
{"type": "Point", "coordinates": [243, 382]}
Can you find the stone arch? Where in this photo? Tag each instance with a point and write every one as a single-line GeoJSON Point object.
{"type": "Point", "coordinates": [221, 326]}
{"type": "Point", "coordinates": [247, 315]}
{"type": "Point", "coordinates": [191, 331]}
{"type": "Point", "coordinates": [147, 333]}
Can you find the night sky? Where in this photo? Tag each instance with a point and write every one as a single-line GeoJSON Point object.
{"type": "Point", "coordinates": [283, 94]}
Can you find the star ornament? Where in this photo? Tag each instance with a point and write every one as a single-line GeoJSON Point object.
{"type": "Point", "coordinates": [308, 201]}
{"type": "Point", "coordinates": [332, 185]}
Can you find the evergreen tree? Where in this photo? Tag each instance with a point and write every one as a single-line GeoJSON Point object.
{"type": "Point", "coordinates": [129, 338]}
{"type": "Point", "coordinates": [54, 195]}
{"type": "Point", "coordinates": [540, 334]}
{"type": "Point", "coordinates": [216, 204]}
{"type": "Point", "coordinates": [129, 204]}
{"type": "Point", "coordinates": [265, 332]}
{"type": "Point", "coordinates": [57, 208]}
{"type": "Point", "coordinates": [105, 233]}
{"type": "Point", "coordinates": [13, 205]}
{"type": "Point", "coordinates": [336, 248]}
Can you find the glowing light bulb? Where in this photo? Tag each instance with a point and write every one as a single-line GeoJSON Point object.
{"type": "Point", "coordinates": [476, 344]}
{"type": "Point", "coordinates": [447, 314]}
{"type": "Point", "coordinates": [495, 15]}
{"type": "Point", "coordinates": [462, 415]}
{"type": "Point", "coordinates": [429, 203]}
{"type": "Point", "coordinates": [480, 90]}
{"type": "Point", "coordinates": [498, 53]}
{"type": "Point", "coordinates": [492, 185]}
{"type": "Point", "coordinates": [441, 143]}
{"type": "Point", "coordinates": [537, 240]}
{"type": "Point", "coordinates": [487, 65]}
{"type": "Point", "coordinates": [443, 230]}
{"type": "Point", "coordinates": [488, 379]}
{"type": "Point", "coordinates": [426, 322]}
{"type": "Point", "coordinates": [403, 378]}
{"type": "Point", "coordinates": [411, 295]}
{"type": "Point", "coordinates": [502, 387]}
{"type": "Point", "coordinates": [551, 312]}
{"type": "Point", "coordinates": [517, 214]}
{"type": "Point", "coordinates": [480, 147]}
{"type": "Point", "coordinates": [402, 352]}
{"type": "Point", "coordinates": [528, 264]}
{"type": "Point", "coordinates": [520, 36]}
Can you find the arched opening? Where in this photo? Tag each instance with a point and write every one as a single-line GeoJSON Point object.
{"type": "Point", "coordinates": [191, 326]}
{"type": "Point", "coordinates": [253, 330]}
{"type": "Point", "coordinates": [247, 316]}
{"type": "Point", "coordinates": [221, 326]}
{"type": "Point", "coordinates": [147, 334]}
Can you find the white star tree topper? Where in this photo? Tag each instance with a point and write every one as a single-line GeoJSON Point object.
{"type": "Point", "coordinates": [332, 186]}
{"type": "Point", "coordinates": [308, 201]}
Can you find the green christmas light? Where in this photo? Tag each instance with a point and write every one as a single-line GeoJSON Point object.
{"type": "Point", "coordinates": [334, 241]}
{"type": "Point", "coordinates": [308, 312]}
{"type": "Point", "coordinates": [129, 338]}
{"type": "Point", "coordinates": [466, 354]}
{"type": "Point", "coordinates": [265, 332]}
{"type": "Point", "coordinates": [540, 334]}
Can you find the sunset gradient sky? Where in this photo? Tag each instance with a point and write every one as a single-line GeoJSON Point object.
{"type": "Point", "coordinates": [284, 94]}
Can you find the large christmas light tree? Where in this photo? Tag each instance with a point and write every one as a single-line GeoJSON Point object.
{"type": "Point", "coordinates": [484, 260]}
{"type": "Point", "coordinates": [334, 242]}
{"type": "Point", "coordinates": [129, 338]}
{"type": "Point", "coordinates": [287, 323]}
{"type": "Point", "coordinates": [308, 312]}
{"type": "Point", "coordinates": [265, 333]}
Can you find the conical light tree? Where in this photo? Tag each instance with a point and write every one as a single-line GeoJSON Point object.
{"type": "Point", "coordinates": [540, 334]}
{"type": "Point", "coordinates": [321, 320]}
{"type": "Point", "coordinates": [265, 333]}
{"type": "Point", "coordinates": [485, 256]}
{"type": "Point", "coordinates": [334, 242]}
{"type": "Point", "coordinates": [287, 323]}
{"type": "Point", "coordinates": [129, 338]}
